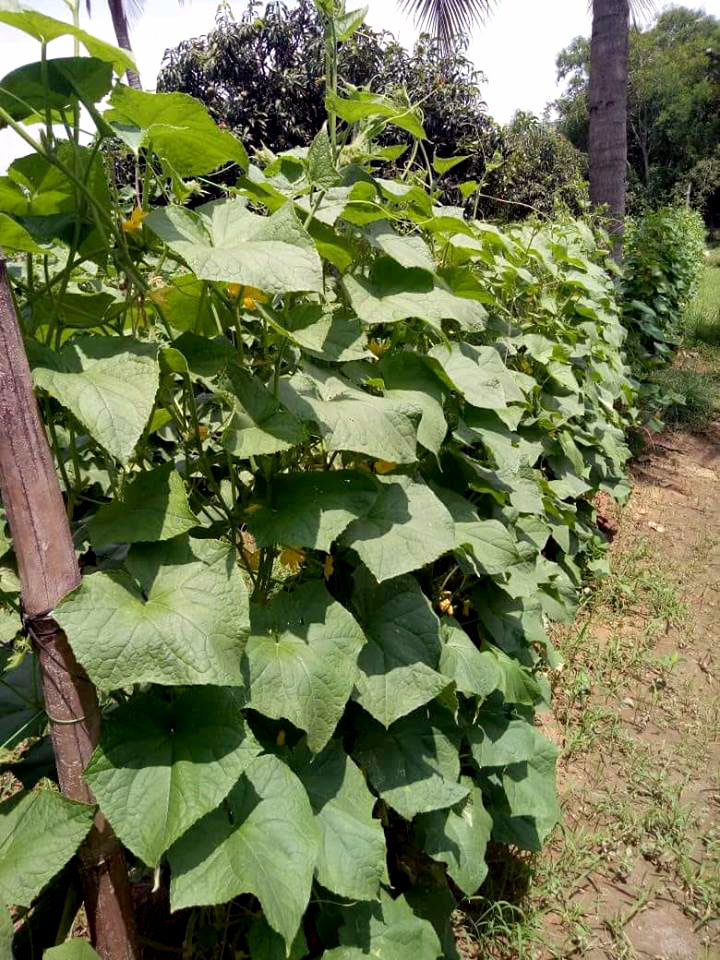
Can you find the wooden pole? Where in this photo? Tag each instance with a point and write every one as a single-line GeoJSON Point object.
{"type": "Point", "coordinates": [48, 570]}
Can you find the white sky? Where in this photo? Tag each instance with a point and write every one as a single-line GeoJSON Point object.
{"type": "Point", "coordinates": [516, 48]}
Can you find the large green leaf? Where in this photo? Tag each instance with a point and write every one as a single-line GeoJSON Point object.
{"type": "Point", "coordinates": [25, 91]}
{"type": "Point", "coordinates": [7, 931]}
{"type": "Point", "coordinates": [392, 293]}
{"type": "Point", "coordinates": [406, 528]}
{"type": "Point", "coordinates": [414, 765]}
{"type": "Point", "coordinates": [224, 241]}
{"type": "Point", "coordinates": [336, 335]}
{"type": "Point", "coordinates": [177, 127]}
{"type": "Point", "coordinates": [497, 740]}
{"type": "Point", "coordinates": [263, 840]}
{"type": "Point", "coordinates": [22, 708]}
{"type": "Point", "coordinates": [154, 507]}
{"type": "Point", "coordinates": [349, 419]}
{"type": "Point", "coordinates": [363, 104]}
{"type": "Point", "coordinates": [475, 672]}
{"type": "Point", "coordinates": [410, 378]}
{"type": "Point", "coordinates": [459, 838]}
{"type": "Point", "coordinates": [409, 250]}
{"type": "Point", "coordinates": [312, 509]}
{"type": "Point", "coordinates": [491, 546]}
{"type": "Point", "coordinates": [479, 374]}
{"type": "Point", "coordinates": [15, 237]}
{"type": "Point", "coordinates": [522, 799]}
{"type": "Point", "coordinates": [163, 763]}
{"type": "Point", "coordinates": [399, 664]}
{"type": "Point", "coordinates": [301, 660]}
{"type": "Point", "coordinates": [108, 383]}
{"type": "Point", "coordinates": [39, 833]}
{"type": "Point", "coordinates": [265, 944]}
{"type": "Point", "coordinates": [71, 950]}
{"type": "Point", "coordinates": [46, 29]}
{"type": "Point", "coordinates": [178, 614]}
{"type": "Point", "coordinates": [259, 422]}
{"type": "Point", "coordinates": [352, 855]}
{"type": "Point", "coordinates": [388, 930]}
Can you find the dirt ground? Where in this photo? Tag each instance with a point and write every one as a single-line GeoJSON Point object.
{"type": "Point", "coordinates": [635, 870]}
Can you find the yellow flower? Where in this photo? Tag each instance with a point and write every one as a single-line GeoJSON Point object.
{"type": "Point", "coordinates": [293, 559]}
{"type": "Point", "coordinates": [253, 508]}
{"type": "Point", "coordinates": [280, 738]}
{"type": "Point", "coordinates": [328, 566]}
{"type": "Point", "coordinates": [377, 348]}
{"type": "Point", "coordinates": [134, 222]}
{"type": "Point", "coordinates": [384, 466]}
{"type": "Point", "coordinates": [466, 608]}
{"type": "Point", "coordinates": [250, 296]}
{"type": "Point", "coordinates": [445, 604]}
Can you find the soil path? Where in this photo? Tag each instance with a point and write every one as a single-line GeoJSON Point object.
{"type": "Point", "coordinates": [635, 871]}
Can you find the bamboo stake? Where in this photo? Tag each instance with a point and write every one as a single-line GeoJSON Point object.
{"type": "Point", "coordinates": [48, 570]}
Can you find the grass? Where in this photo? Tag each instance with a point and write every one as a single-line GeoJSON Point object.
{"type": "Point", "coordinates": [702, 320]}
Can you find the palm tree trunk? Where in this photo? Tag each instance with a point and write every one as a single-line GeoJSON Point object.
{"type": "Point", "coordinates": [119, 19]}
{"type": "Point", "coordinates": [608, 111]}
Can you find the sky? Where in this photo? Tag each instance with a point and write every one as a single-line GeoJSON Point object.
{"type": "Point", "coordinates": [516, 48]}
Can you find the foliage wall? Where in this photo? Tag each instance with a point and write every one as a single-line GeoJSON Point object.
{"type": "Point", "coordinates": [328, 450]}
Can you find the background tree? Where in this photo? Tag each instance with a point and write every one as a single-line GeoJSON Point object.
{"type": "Point", "coordinates": [262, 77]}
{"type": "Point", "coordinates": [673, 122]}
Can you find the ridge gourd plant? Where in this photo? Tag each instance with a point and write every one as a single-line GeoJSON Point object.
{"type": "Point", "coordinates": [328, 451]}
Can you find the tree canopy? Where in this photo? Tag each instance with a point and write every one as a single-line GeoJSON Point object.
{"type": "Point", "coordinates": [673, 109]}
{"type": "Point", "coordinates": [262, 76]}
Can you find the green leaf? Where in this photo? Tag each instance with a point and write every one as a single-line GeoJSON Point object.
{"type": "Point", "coordinates": [522, 799]}
{"type": "Point", "coordinates": [409, 378]}
{"type": "Point", "coordinates": [491, 546]}
{"type": "Point", "coordinates": [475, 672]}
{"type": "Point", "coordinates": [222, 240]}
{"type": "Point", "coordinates": [22, 708]}
{"type": "Point", "coordinates": [444, 164]}
{"type": "Point", "coordinates": [108, 383]}
{"type": "Point", "coordinates": [350, 419]}
{"type": "Point", "coordinates": [164, 763]}
{"type": "Point", "coordinates": [259, 422]}
{"type": "Point", "coordinates": [312, 509]}
{"type": "Point", "coordinates": [7, 931]}
{"type": "Point", "coordinates": [45, 29]}
{"type": "Point", "coordinates": [478, 374]}
{"type": "Point", "coordinates": [178, 614]}
{"type": "Point", "coordinates": [352, 859]}
{"type": "Point", "coordinates": [398, 666]}
{"type": "Point", "coordinates": [16, 238]}
{"type": "Point", "coordinates": [459, 838]}
{"type": "Point", "coordinates": [263, 840]}
{"type": "Point", "coordinates": [79, 310]}
{"type": "Point", "coordinates": [39, 833]}
{"type": "Point", "coordinates": [71, 950]}
{"type": "Point", "coordinates": [321, 166]}
{"type": "Point", "coordinates": [497, 740]}
{"type": "Point", "coordinates": [24, 91]}
{"type": "Point", "coordinates": [348, 23]}
{"type": "Point", "coordinates": [337, 336]}
{"type": "Point", "coordinates": [414, 766]}
{"type": "Point", "coordinates": [154, 507]}
{"type": "Point", "coordinates": [409, 250]}
{"type": "Point", "coordinates": [363, 104]}
{"type": "Point", "coordinates": [517, 684]}
{"type": "Point", "coordinates": [301, 660]}
{"type": "Point", "coordinates": [177, 127]}
{"type": "Point", "coordinates": [406, 528]}
{"type": "Point", "coordinates": [388, 930]}
{"type": "Point", "coordinates": [392, 293]}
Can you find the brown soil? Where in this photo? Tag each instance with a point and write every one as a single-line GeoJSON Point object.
{"type": "Point", "coordinates": [635, 872]}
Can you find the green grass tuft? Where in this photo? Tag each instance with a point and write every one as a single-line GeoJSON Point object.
{"type": "Point", "coordinates": [702, 319]}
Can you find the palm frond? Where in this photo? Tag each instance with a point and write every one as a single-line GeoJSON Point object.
{"type": "Point", "coordinates": [131, 8]}
{"type": "Point", "coordinates": [447, 19]}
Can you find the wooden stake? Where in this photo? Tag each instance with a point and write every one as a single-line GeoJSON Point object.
{"type": "Point", "coordinates": [48, 570]}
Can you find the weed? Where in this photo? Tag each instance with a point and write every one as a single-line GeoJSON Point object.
{"type": "Point", "coordinates": [702, 319]}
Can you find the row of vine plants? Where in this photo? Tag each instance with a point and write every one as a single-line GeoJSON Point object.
{"type": "Point", "coordinates": [328, 451]}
